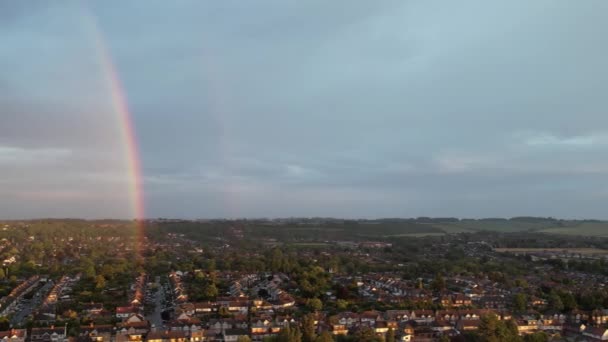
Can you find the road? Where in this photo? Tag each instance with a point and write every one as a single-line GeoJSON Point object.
{"type": "Point", "coordinates": [155, 317]}
{"type": "Point", "coordinates": [27, 306]}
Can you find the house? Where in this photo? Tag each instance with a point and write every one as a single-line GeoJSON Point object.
{"type": "Point", "coordinates": [460, 299]}
{"type": "Point", "coordinates": [440, 326]}
{"type": "Point", "coordinates": [260, 327]}
{"type": "Point", "coordinates": [99, 333]}
{"type": "Point", "coordinates": [167, 336]}
{"type": "Point", "coordinates": [596, 334]}
{"type": "Point", "coordinates": [445, 301]}
{"type": "Point", "coordinates": [423, 316]}
{"type": "Point", "coordinates": [381, 327]}
{"type": "Point", "coordinates": [338, 329]}
{"type": "Point", "coordinates": [238, 306]}
{"type": "Point", "coordinates": [526, 326]}
{"type": "Point", "coordinates": [467, 324]}
{"type": "Point", "coordinates": [92, 308]}
{"type": "Point", "coordinates": [348, 318]}
{"type": "Point", "coordinates": [129, 336]}
{"type": "Point", "coordinates": [599, 317]}
{"type": "Point", "coordinates": [13, 335]}
{"type": "Point", "coordinates": [231, 335]}
{"type": "Point", "coordinates": [51, 334]}
{"type": "Point", "coordinates": [125, 311]}
{"type": "Point", "coordinates": [204, 307]}
{"type": "Point", "coordinates": [136, 324]}
{"type": "Point", "coordinates": [370, 317]}
{"type": "Point", "coordinates": [184, 319]}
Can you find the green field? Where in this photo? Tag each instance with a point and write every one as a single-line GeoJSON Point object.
{"type": "Point", "coordinates": [599, 229]}
{"type": "Point", "coordinates": [310, 244]}
{"type": "Point", "coordinates": [583, 251]}
{"type": "Point", "coordinates": [415, 234]}
{"type": "Point", "coordinates": [498, 225]}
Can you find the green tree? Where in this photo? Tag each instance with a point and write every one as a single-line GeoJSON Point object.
{"type": "Point", "coordinates": [341, 304]}
{"type": "Point", "coordinates": [390, 335]}
{"type": "Point", "coordinates": [537, 337]}
{"type": "Point", "coordinates": [512, 329]}
{"type": "Point", "coordinates": [309, 331]}
{"type": "Point", "coordinates": [100, 282]}
{"type": "Point", "coordinates": [210, 291]}
{"type": "Point", "coordinates": [438, 283]}
{"type": "Point", "coordinates": [314, 304]}
{"type": "Point", "coordinates": [491, 329]}
{"type": "Point", "coordinates": [289, 334]}
{"type": "Point", "coordinates": [276, 262]}
{"type": "Point", "coordinates": [224, 312]}
{"type": "Point", "coordinates": [325, 337]}
{"type": "Point", "coordinates": [366, 335]}
{"type": "Point", "coordinates": [520, 282]}
{"type": "Point", "coordinates": [555, 302]}
{"type": "Point", "coordinates": [5, 324]}
{"type": "Point", "coordinates": [569, 301]}
{"type": "Point", "coordinates": [520, 303]}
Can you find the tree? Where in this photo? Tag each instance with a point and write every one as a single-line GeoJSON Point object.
{"type": "Point", "coordinates": [224, 312]}
{"type": "Point", "coordinates": [512, 333]}
{"type": "Point", "coordinates": [309, 333]}
{"type": "Point", "coordinates": [520, 303]}
{"type": "Point", "coordinates": [520, 282]}
{"type": "Point", "coordinates": [488, 327]}
{"type": "Point", "coordinates": [289, 334]}
{"type": "Point", "coordinates": [243, 338]}
{"type": "Point", "coordinates": [536, 337]}
{"type": "Point", "coordinates": [314, 304]}
{"type": "Point", "coordinates": [5, 324]}
{"type": "Point", "coordinates": [210, 291]}
{"type": "Point", "coordinates": [276, 262]}
{"type": "Point", "coordinates": [366, 335]}
{"type": "Point", "coordinates": [569, 301]}
{"type": "Point", "coordinates": [2, 274]}
{"type": "Point", "coordinates": [341, 304]}
{"type": "Point", "coordinates": [88, 267]}
{"type": "Point", "coordinates": [491, 329]}
{"type": "Point", "coordinates": [325, 337]}
{"type": "Point", "coordinates": [390, 335]}
{"type": "Point", "coordinates": [100, 282]}
{"type": "Point", "coordinates": [555, 302]}
{"type": "Point", "coordinates": [438, 283]}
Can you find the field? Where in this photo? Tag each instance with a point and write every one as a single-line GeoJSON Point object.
{"type": "Point", "coordinates": [310, 245]}
{"type": "Point", "coordinates": [415, 234]}
{"type": "Point", "coordinates": [599, 229]}
{"type": "Point", "coordinates": [583, 251]}
{"type": "Point", "coordinates": [498, 225]}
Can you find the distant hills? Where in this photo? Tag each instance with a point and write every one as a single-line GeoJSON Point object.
{"type": "Point", "coordinates": [384, 227]}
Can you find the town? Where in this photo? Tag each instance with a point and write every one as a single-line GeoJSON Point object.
{"type": "Point", "coordinates": [297, 280]}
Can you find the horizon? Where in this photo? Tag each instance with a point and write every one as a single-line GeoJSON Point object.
{"type": "Point", "coordinates": [302, 218]}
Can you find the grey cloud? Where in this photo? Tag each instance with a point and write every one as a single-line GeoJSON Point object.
{"type": "Point", "coordinates": [280, 108]}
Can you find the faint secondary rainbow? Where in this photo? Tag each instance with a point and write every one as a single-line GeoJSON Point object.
{"type": "Point", "coordinates": [128, 136]}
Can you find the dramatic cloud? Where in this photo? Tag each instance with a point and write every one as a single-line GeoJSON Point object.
{"type": "Point", "coordinates": [289, 108]}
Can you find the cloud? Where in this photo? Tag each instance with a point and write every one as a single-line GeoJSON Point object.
{"type": "Point", "coordinates": [282, 108]}
{"type": "Point", "coordinates": [17, 155]}
{"type": "Point", "coordinates": [580, 141]}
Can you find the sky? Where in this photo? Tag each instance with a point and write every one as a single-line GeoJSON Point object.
{"type": "Point", "coordinates": [348, 108]}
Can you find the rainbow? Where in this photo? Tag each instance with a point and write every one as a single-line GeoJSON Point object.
{"type": "Point", "coordinates": [128, 136]}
